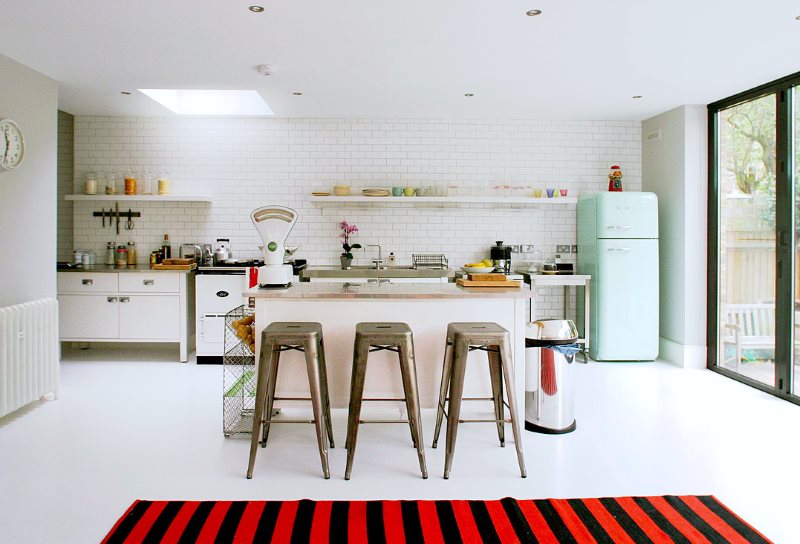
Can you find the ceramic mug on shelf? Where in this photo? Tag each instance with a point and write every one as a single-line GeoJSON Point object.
{"type": "Point", "coordinates": [409, 191]}
{"type": "Point", "coordinates": [397, 191]}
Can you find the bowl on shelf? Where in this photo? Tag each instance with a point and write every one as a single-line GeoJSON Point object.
{"type": "Point", "coordinates": [477, 269]}
{"type": "Point", "coordinates": [341, 190]}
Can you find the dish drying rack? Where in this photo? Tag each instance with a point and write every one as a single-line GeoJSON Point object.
{"type": "Point", "coordinates": [238, 373]}
{"type": "Point", "coordinates": [429, 260]}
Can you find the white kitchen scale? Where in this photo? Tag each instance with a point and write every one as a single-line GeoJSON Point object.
{"type": "Point", "coordinates": [274, 223]}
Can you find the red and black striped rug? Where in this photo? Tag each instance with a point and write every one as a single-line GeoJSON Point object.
{"type": "Point", "coordinates": [633, 520]}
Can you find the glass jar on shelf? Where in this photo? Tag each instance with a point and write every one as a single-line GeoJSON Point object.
{"type": "Point", "coordinates": [163, 183]}
{"type": "Point", "coordinates": [147, 182]}
{"type": "Point", "coordinates": [90, 185]}
{"type": "Point", "coordinates": [111, 183]}
{"type": "Point", "coordinates": [131, 183]}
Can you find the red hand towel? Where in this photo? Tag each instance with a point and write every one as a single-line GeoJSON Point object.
{"type": "Point", "coordinates": [548, 375]}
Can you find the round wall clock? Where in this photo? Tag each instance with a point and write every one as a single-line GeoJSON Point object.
{"type": "Point", "coordinates": [12, 145]}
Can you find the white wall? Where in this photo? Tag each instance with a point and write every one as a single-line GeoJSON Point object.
{"type": "Point", "coordinates": [674, 167]}
{"type": "Point", "coordinates": [28, 193]}
{"type": "Point", "coordinates": [248, 162]}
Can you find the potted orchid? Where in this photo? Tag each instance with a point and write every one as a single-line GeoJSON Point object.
{"type": "Point", "coordinates": [347, 230]}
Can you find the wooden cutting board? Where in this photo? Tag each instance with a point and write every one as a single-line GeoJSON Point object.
{"type": "Point", "coordinates": [173, 267]}
{"type": "Point", "coordinates": [487, 277]}
{"type": "Point", "coordinates": [492, 283]}
{"type": "Point", "coordinates": [178, 261]}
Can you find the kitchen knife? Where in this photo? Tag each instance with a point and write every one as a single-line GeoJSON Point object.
{"type": "Point", "coordinates": [117, 210]}
{"type": "Point", "coordinates": [103, 216]}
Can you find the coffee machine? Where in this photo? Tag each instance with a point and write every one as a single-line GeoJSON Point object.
{"type": "Point", "coordinates": [501, 257]}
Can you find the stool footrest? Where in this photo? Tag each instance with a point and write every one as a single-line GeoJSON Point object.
{"type": "Point", "coordinates": [288, 348]}
{"type": "Point", "coordinates": [292, 398]}
{"type": "Point", "coordinates": [383, 421]}
{"type": "Point", "coordinates": [472, 398]}
{"type": "Point", "coordinates": [484, 421]}
{"type": "Point", "coordinates": [393, 349]}
{"type": "Point", "coordinates": [271, 421]}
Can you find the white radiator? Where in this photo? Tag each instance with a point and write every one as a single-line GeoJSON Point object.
{"type": "Point", "coordinates": [29, 353]}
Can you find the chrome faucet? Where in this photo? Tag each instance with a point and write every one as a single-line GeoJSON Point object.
{"type": "Point", "coordinates": [376, 263]}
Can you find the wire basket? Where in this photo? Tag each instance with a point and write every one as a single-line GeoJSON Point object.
{"type": "Point", "coordinates": [238, 372]}
{"type": "Point", "coordinates": [429, 260]}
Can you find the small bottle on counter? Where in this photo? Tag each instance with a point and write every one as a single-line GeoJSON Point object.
{"type": "Point", "coordinates": [110, 254]}
{"type": "Point", "coordinates": [121, 260]}
{"type": "Point", "coordinates": [131, 253]}
{"type": "Point", "coordinates": [154, 258]}
{"type": "Point", "coordinates": [166, 249]}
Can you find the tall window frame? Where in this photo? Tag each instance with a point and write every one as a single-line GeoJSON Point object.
{"type": "Point", "coordinates": [786, 223]}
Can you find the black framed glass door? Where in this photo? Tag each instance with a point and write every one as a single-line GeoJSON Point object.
{"type": "Point", "coordinates": [754, 280]}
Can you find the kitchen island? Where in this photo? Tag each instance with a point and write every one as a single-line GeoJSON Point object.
{"type": "Point", "coordinates": [426, 308]}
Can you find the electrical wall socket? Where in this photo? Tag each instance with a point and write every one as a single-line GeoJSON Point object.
{"type": "Point", "coordinates": [562, 249]}
{"type": "Point", "coordinates": [575, 249]}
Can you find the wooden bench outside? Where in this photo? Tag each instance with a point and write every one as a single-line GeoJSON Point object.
{"type": "Point", "coordinates": [750, 326]}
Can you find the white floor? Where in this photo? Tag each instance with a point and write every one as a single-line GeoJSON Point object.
{"type": "Point", "coordinates": [142, 428]}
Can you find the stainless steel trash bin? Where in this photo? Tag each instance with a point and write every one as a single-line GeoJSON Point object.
{"type": "Point", "coordinates": [550, 348]}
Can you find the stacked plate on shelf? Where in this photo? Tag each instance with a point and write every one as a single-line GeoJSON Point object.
{"type": "Point", "coordinates": [376, 192]}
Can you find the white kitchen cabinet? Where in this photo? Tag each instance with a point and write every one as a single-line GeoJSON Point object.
{"type": "Point", "coordinates": [127, 306]}
{"type": "Point", "coordinates": [149, 317]}
{"type": "Point", "coordinates": [88, 316]}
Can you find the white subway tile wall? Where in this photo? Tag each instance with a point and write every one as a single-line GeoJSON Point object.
{"type": "Point", "coordinates": [244, 163]}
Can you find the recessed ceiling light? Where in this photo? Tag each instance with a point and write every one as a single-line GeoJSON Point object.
{"type": "Point", "coordinates": [207, 102]}
{"type": "Point", "coordinates": [124, 92]}
{"type": "Point", "coordinates": [297, 94]}
{"type": "Point", "coordinates": [798, 17]}
{"type": "Point", "coordinates": [256, 9]}
{"type": "Point", "coordinates": [469, 94]}
{"type": "Point", "coordinates": [637, 96]}
{"type": "Point", "coordinates": [533, 12]}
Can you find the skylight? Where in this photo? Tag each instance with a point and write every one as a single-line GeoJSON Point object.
{"type": "Point", "coordinates": [207, 102]}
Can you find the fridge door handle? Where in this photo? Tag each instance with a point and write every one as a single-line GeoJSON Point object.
{"type": "Point", "coordinates": [619, 227]}
{"type": "Point", "coordinates": [618, 249]}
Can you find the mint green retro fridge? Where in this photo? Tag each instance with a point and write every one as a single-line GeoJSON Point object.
{"type": "Point", "coordinates": [618, 247]}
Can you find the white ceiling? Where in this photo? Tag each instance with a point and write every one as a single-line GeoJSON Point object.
{"type": "Point", "coordinates": [581, 59]}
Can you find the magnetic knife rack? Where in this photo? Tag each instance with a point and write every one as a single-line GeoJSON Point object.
{"type": "Point", "coordinates": [111, 214]}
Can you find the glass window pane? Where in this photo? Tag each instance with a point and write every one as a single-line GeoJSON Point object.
{"type": "Point", "coordinates": [746, 273]}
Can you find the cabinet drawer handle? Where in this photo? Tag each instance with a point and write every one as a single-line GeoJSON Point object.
{"type": "Point", "coordinates": [87, 282]}
{"type": "Point", "coordinates": [148, 282]}
{"type": "Point", "coordinates": [111, 299]}
{"type": "Point", "coordinates": [124, 299]}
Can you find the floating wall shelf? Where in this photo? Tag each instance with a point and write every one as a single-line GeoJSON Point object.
{"type": "Point", "coordinates": [416, 200]}
{"type": "Point", "coordinates": [141, 198]}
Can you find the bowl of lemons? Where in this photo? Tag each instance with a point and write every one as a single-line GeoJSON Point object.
{"type": "Point", "coordinates": [483, 267]}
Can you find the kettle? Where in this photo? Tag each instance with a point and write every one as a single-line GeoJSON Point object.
{"type": "Point", "coordinates": [222, 251]}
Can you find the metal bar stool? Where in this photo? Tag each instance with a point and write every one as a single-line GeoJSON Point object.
{"type": "Point", "coordinates": [396, 337]}
{"type": "Point", "coordinates": [275, 339]}
{"type": "Point", "coordinates": [495, 341]}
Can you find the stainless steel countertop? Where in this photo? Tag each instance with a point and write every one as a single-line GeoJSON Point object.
{"type": "Point", "coordinates": [369, 272]}
{"type": "Point", "coordinates": [402, 291]}
{"type": "Point", "coordinates": [108, 268]}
